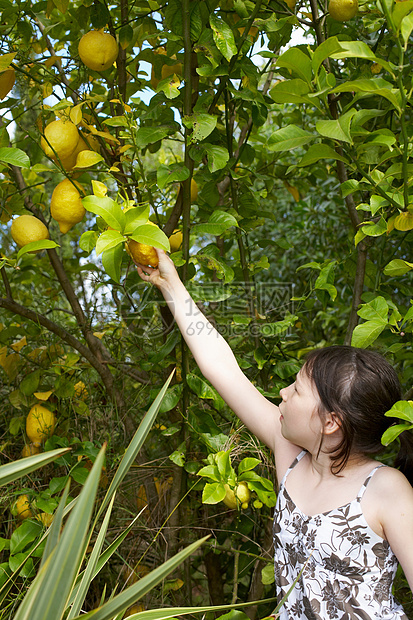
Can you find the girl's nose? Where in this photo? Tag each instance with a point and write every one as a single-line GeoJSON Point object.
{"type": "Point", "coordinates": [283, 393]}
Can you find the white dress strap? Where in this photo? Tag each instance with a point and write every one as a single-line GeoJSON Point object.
{"type": "Point", "coordinates": [367, 480]}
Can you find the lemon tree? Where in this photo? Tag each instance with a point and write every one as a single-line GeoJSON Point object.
{"type": "Point", "coordinates": [277, 162]}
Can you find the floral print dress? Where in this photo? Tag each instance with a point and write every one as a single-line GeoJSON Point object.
{"type": "Point", "coordinates": [348, 569]}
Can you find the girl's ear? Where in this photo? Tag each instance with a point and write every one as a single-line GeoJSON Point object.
{"type": "Point", "coordinates": [331, 423]}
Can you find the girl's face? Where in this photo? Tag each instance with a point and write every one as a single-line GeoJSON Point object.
{"type": "Point", "coordinates": [300, 422]}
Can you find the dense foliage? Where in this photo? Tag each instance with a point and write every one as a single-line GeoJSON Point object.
{"type": "Point", "coordinates": [286, 167]}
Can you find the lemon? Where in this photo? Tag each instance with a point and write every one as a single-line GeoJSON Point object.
{"type": "Point", "coordinates": [194, 190]}
{"type": "Point", "coordinates": [229, 500]}
{"type": "Point", "coordinates": [21, 508]}
{"type": "Point", "coordinates": [243, 493]}
{"type": "Point", "coordinates": [343, 10]}
{"type": "Point", "coordinates": [81, 391]}
{"type": "Point", "coordinates": [142, 253]}
{"type": "Point", "coordinates": [26, 229]}
{"type": "Point", "coordinates": [40, 424]}
{"type": "Point", "coordinates": [7, 79]}
{"type": "Point", "coordinates": [66, 205]}
{"type": "Point", "coordinates": [45, 518]}
{"type": "Point", "coordinates": [98, 50]}
{"type": "Point", "coordinates": [175, 240]}
{"type": "Point", "coordinates": [60, 138]}
{"type": "Point", "coordinates": [30, 449]}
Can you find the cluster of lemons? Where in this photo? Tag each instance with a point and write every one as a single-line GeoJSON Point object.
{"type": "Point", "coordinates": [40, 424]}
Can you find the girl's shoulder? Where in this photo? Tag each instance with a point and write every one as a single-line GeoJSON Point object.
{"type": "Point", "coordinates": [389, 487]}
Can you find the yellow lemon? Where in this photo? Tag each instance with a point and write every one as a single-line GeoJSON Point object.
{"type": "Point", "coordinates": [175, 240]}
{"type": "Point", "coordinates": [142, 253]}
{"type": "Point", "coordinates": [66, 205]}
{"type": "Point", "coordinates": [229, 500]}
{"type": "Point", "coordinates": [60, 138]}
{"type": "Point", "coordinates": [98, 50]}
{"type": "Point", "coordinates": [7, 79]}
{"type": "Point", "coordinates": [343, 10]}
{"type": "Point", "coordinates": [26, 229]}
{"type": "Point", "coordinates": [243, 493]}
{"type": "Point", "coordinates": [45, 518]}
{"type": "Point", "coordinates": [194, 190]}
{"type": "Point", "coordinates": [68, 163]}
{"type": "Point", "coordinates": [21, 508]}
{"type": "Point", "coordinates": [40, 424]}
{"type": "Point", "coordinates": [81, 391]}
{"type": "Point", "coordinates": [30, 449]}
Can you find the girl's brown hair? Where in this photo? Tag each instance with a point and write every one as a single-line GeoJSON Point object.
{"type": "Point", "coordinates": [359, 386]}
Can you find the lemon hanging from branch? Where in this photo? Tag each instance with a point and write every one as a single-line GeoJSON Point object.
{"type": "Point", "coordinates": [60, 139]}
{"type": "Point", "coordinates": [66, 205]}
{"type": "Point", "coordinates": [343, 10]}
{"type": "Point", "coordinates": [40, 424]}
{"type": "Point", "coordinates": [98, 50]}
{"type": "Point", "coordinates": [27, 229]}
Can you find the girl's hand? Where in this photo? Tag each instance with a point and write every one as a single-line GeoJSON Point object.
{"type": "Point", "coordinates": [160, 276]}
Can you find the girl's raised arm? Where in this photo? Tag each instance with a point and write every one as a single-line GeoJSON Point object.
{"type": "Point", "coordinates": [217, 361]}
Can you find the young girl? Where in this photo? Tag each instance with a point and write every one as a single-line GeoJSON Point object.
{"type": "Point", "coordinates": [342, 520]}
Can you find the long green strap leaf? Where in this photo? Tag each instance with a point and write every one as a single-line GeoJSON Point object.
{"type": "Point", "coordinates": [91, 565]}
{"type": "Point", "coordinates": [22, 467]}
{"type": "Point", "coordinates": [135, 445]}
{"type": "Point", "coordinates": [123, 600]}
{"type": "Point", "coordinates": [54, 531]}
{"type": "Point", "coordinates": [47, 597]}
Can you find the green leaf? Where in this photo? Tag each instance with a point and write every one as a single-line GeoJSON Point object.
{"type": "Point", "coordinates": [373, 87]}
{"type": "Point", "coordinates": [112, 262]}
{"type": "Point", "coordinates": [170, 86]}
{"type": "Point", "coordinates": [200, 387]}
{"type": "Point", "coordinates": [218, 157]}
{"type": "Point", "coordinates": [323, 51]}
{"type": "Point", "coordinates": [201, 124]}
{"type": "Point", "coordinates": [18, 469]}
{"type": "Point", "coordinates": [107, 240]}
{"type": "Point", "coordinates": [375, 230]}
{"type": "Point", "coordinates": [297, 62]}
{"type": "Point", "coordinates": [48, 593]}
{"type": "Point", "coordinates": [376, 309]}
{"type": "Point", "coordinates": [402, 410]}
{"type": "Point", "coordinates": [219, 222]}
{"type": "Point", "coordinates": [338, 129]}
{"type": "Point", "coordinates": [6, 60]}
{"type": "Point", "coordinates": [179, 455]}
{"type": "Point", "coordinates": [289, 137]}
{"type": "Point", "coordinates": [247, 464]}
{"type": "Point", "coordinates": [267, 574]}
{"type": "Point", "coordinates": [399, 12]}
{"type": "Point", "coordinates": [116, 121]}
{"type": "Point", "coordinates": [151, 235]}
{"type": "Point", "coordinates": [135, 445]}
{"type": "Point", "coordinates": [406, 29]}
{"type": "Point", "coordinates": [88, 240]}
{"type": "Point", "coordinates": [354, 49]}
{"type": "Point", "coordinates": [170, 174]}
{"type": "Point", "coordinates": [137, 216]}
{"type": "Point", "coordinates": [107, 209]}
{"type": "Point", "coordinates": [150, 135]}
{"type": "Point", "coordinates": [209, 471]}
{"type": "Point", "coordinates": [213, 493]}
{"type": "Point", "coordinates": [30, 383]}
{"type": "Point", "coordinates": [397, 267]}
{"type": "Point", "coordinates": [366, 333]}
{"type": "Point", "coordinates": [25, 534]}
{"type": "Point", "coordinates": [87, 577]}
{"type": "Point", "coordinates": [35, 246]}
{"type": "Point", "coordinates": [325, 280]}
{"type": "Point", "coordinates": [291, 91]}
{"type": "Point", "coordinates": [317, 152]}
{"type": "Point", "coordinates": [223, 36]}
{"type": "Point", "coordinates": [223, 461]}
{"type": "Point", "coordinates": [393, 432]}
{"type": "Point", "coordinates": [14, 156]}
{"type": "Point", "coordinates": [171, 398]}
